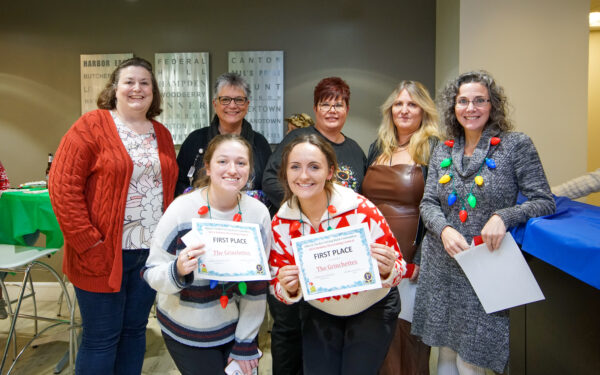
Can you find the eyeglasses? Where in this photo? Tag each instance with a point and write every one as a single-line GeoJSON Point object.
{"type": "Point", "coordinates": [238, 100]}
{"type": "Point", "coordinates": [337, 107]}
{"type": "Point", "coordinates": [478, 102]}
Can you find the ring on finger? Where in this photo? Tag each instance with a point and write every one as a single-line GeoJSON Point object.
{"type": "Point", "coordinates": [190, 257]}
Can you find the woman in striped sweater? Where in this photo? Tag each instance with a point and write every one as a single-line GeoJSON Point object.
{"type": "Point", "coordinates": [201, 334]}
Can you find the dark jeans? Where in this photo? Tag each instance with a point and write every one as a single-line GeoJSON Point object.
{"type": "Point", "coordinates": [114, 324]}
{"type": "Point", "coordinates": [348, 345]}
{"type": "Point", "coordinates": [286, 337]}
{"type": "Point", "coordinates": [191, 360]}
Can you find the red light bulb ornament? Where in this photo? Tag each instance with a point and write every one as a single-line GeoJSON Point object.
{"type": "Point", "coordinates": [294, 226]}
{"type": "Point", "coordinates": [462, 215]}
{"type": "Point", "coordinates": [224, 301]}
{"type": "Point", "coordinates": [494, 141]}
{"type": "Point", "coordinates": [237, 217]}
{"type": "Point", "coordinates": [203, 210]}
{"type": "Point", "coordinates": [449, 143]}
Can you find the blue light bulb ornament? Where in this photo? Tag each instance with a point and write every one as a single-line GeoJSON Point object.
{"type": "Point", "coordinates": [451, 198]}
{"type": "Point", "coordinates": [213, 284]}
{"type": "Point", "coordinates": [490, 163]}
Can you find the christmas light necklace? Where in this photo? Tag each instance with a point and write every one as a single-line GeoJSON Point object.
{"type": "Point", "coordinates": [296, 225]}
{"type": "Point", "coordinates": [242, 287]}
{"type": "Point", "coordinates": [470, 198]}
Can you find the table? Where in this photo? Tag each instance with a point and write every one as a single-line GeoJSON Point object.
{"type": "Point", "coordinates": [560, 335]}
{"type": "Point", "coordinates": [25, 212]}
{"type": "Point", "coordinates": [567, 239]}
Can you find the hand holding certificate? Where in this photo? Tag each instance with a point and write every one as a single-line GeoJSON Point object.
{"type": "Point", "coordinates": [233, 251]}
{"type": "Point", "coordinates": [336, 262]}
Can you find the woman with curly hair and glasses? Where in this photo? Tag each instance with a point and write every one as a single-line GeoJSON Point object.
{"type": "Point", "coordinates": [472, 186]}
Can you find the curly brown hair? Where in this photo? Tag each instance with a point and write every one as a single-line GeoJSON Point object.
{"type": "Point", "coordinates": [498, 113]}
{"type": "Point", "coordinates": [108, 99]}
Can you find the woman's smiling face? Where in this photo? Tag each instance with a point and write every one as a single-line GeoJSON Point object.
{"type": "Point", "coordinates": [229, 167]}
{"type": "Point", "coordinates": [473, 118]}
{"type": "Point", "coordinates": [307, 171]}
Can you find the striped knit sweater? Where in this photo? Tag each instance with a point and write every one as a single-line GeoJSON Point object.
{"type": "Point", "coordinates": [88, 186]}
{"type": "Point", "coordinates": [351, 209]}
{"type": "Point", "coordinates": [188, 310]}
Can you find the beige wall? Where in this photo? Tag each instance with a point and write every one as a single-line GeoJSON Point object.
{"type": "Point", "coordinates": [447, 35]}
{"type": "Point", "coordinates": [538, 51]}
{"type": "Point", "coordinates": [371, 47]}
{"type": "Point", "coordinates": [594, 110]}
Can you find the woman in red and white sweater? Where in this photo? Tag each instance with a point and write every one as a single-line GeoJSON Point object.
{"type": "Point", "coordinates": [113, 176]}
{"type": "Point", "coordinates": [348, 334]}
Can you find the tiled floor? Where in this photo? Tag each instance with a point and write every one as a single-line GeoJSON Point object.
{"type": "Point", "coordinates": [43, 358]}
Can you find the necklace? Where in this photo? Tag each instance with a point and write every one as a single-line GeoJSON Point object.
{"type": "Point", "coordinates": [404, 145]}
{"type": "Point", "coordinates": [296, 225]}
{"type": "Point", "coordinates": [469, 198]}
{"type": "Point", "coordinates": [203, 210]}
{"type": "Point", "coordinates": [242, 287]}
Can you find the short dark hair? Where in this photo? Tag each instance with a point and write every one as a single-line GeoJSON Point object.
{"type": "Point", "coordinates": [332, 88]}
{"type": "Point", "coordinates": [108, 99]}
{"type": "Point", "coordinates": [231, 79]}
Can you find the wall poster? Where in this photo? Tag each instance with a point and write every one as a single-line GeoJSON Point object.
{"type": "Point", "coordinates": [264, 72]}
{"type": "Point", "coordinates": [185, 88]}
{"type": "Point", "coordinates": [95, 72]}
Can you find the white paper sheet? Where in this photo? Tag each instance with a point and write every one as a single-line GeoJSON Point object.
{"type": "Point", "coordinates": [407, 290]}
{"type": "Point", "coordinates": [501, 278]}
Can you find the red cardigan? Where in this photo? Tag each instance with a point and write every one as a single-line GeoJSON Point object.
{"type": "Point", "coordinates": [88, 187]}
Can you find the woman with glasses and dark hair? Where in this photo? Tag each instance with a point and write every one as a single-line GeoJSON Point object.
{"type": "Point", "coordinates": [331, 105]}
{"type": "Point", "coordinates": [395, 181]}
{"type": "Point", "coordinates": [472, 186]}
{"type": "Point", "coordinates": [113, 176]}
{"type": "Point", "coordinates": [230, 101]}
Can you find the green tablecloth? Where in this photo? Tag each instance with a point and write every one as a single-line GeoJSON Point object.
{"type": "Point", "coordinates": [22, 213]}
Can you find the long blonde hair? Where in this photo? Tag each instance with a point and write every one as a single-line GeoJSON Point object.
{"type": "Point", "coordinates": [387, 135]}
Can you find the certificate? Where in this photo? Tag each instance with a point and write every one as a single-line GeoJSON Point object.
{"type": "Point", "coordinates": [336, 262]}
{"type": "Point", "coordinates": [233, 251]}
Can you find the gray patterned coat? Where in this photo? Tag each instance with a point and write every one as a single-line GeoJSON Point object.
{"type": "Point", "coordinates": [447, 310]}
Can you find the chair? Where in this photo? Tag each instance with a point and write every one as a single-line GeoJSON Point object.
{"type": "Point", "coordinates": [24, 259]}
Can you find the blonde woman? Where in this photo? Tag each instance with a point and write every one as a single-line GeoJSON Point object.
{"type": "Point", "coordinates": [395, 181]}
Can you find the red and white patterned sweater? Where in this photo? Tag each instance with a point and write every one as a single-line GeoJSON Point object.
{"type": "Point", "coordinates": [351, 209]}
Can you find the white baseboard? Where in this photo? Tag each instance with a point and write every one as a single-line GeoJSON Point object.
{"type": "Point", "coordinates": [44, 291]}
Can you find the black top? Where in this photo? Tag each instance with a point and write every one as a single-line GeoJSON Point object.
{"type": "Point", "coordinates": [351, 160]}
{"type": "Point", "coordinates": [193, 148]}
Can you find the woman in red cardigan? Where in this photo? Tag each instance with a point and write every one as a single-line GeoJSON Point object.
{"type": "Point", "coordinates": [113, 176]}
